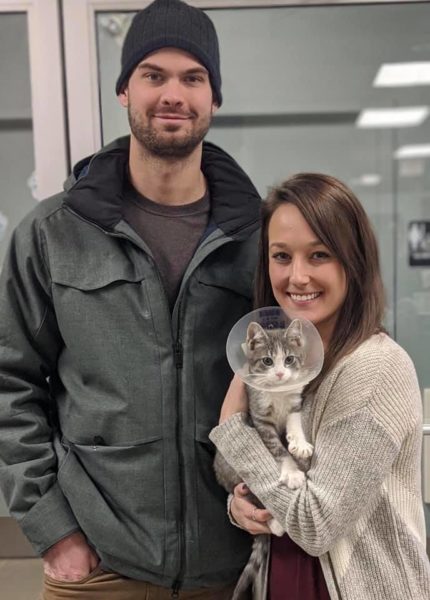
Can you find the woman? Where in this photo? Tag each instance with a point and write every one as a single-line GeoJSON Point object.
{"type": "Point", "coordinates": [360, 511]}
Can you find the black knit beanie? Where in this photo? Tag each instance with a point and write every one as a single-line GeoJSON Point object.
{"type": "Point", "coordinates": [174, 23]}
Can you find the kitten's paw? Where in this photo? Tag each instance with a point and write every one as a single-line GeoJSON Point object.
{"type": "Point", "coordinates": [276, 528]}
{"type": "Point", "coordinates": [299, 448]}
{"type": "Point", "coordinates": [293, 478]}
{"type": "Point", "coordinates": [296, 479]}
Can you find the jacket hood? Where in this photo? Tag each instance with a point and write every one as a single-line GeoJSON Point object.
{"type": "Point", "coordinates": [95, 188]}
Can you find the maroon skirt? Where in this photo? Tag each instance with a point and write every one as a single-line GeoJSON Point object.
{"type": "Point", "coordinates": [294, 574]}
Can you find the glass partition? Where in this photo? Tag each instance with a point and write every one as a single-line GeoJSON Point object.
{"type": "Point", "coordinates": [296, 83]}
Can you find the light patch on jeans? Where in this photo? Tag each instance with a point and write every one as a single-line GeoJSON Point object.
{"type": "Point", "coordinates": [4, 221]}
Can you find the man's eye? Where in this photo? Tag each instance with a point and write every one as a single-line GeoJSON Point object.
{"type": "Point", "coordinates": [267, 361]}
{"type": "Point", "coordinates": [193, 79]}
{"type": "Point", "coordinates": [152, 76]}
{"type": "Point", "coordinates": [290, 360]}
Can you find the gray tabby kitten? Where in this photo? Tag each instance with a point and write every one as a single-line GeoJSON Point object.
{"type": "Point", "coordinates": [274, 358]}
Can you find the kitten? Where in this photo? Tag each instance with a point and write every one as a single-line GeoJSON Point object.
{"type": "Point", "coordinates": [275, 357]}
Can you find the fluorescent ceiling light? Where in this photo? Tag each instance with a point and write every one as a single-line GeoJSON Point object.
{"type": "Point", "coordinates": [413, 167]}
{"type": "Point", "coordinates": [413, 151]}
{"type": "Point", "coordinates": [393, 117]}
{"type": "Point", "coordinates": [403, 74]}
{"type": "Point", "coordinates": [367, 180]}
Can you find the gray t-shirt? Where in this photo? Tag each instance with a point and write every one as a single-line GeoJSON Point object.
{"type": "Point", "coordinates": [172, 233]}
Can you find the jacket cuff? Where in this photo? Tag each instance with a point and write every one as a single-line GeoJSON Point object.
{"type": "Point", "coordinates": [49, 520]}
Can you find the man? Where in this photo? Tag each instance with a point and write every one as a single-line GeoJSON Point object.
{"type": "Point", "coordinates": [116, 300]}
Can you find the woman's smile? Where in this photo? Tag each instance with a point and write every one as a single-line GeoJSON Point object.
{"type": "Point", "coordinates": [303, 298]}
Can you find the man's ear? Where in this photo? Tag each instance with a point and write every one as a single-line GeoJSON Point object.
{"type": "Point", "coordinates": [215, 107]}
{"type": "Point", "coordinates": [123, 97]}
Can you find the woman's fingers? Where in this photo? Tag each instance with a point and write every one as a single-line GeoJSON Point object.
{"type": "Point", "coordinates": [247, 514]}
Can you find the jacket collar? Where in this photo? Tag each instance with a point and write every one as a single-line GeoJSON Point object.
{"type": "Point", "coordinates": [95, 189]}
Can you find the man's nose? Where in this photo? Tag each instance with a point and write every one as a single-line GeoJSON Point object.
{"type": "Point", "coordinates": [172, 94]}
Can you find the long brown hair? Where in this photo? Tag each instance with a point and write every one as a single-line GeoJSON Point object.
{"type": "Point", "coordinates": [338, 219]}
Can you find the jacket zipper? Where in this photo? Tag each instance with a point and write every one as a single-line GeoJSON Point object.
{"type": "Point", "coordinates": [178, 355]}
{"type": "Point", "coordinates": [179, 361]}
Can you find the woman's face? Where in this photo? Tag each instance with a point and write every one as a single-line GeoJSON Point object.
{"type": "Point", "coordinates": [307, 280]}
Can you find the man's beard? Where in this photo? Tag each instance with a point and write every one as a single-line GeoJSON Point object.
{"type": "Point", "coordinates": [162, 145]}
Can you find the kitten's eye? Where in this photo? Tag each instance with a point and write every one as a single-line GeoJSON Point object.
{"type": "Point", "coordinates": [267, 361]}
{"type": "Point", "coordinates": [290, 360]}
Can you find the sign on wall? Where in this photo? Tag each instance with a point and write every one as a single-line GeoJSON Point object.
{"type": "Point", "coordinates": [419, 243]}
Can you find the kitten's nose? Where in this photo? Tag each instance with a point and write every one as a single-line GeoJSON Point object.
{"type": "Point", "coordinates": [279, 375]}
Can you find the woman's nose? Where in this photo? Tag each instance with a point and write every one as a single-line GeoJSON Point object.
{"type": "Point", "coordinates": [299, 274]}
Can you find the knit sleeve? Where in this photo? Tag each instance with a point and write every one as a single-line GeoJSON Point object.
{"type": "Point", "coordinates": [352, 457]}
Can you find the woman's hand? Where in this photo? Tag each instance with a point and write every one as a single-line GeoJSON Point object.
{"type": "Point", "coordinates": [235, 401]}
{"type": "Point", "coordinates": [246, 514]}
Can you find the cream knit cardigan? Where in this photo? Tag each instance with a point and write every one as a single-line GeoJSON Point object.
{"type": "Point", "coordinates": [360, 510]}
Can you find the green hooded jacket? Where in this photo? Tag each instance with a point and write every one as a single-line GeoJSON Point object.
{"type": "Point", "coordinates": [106, 398]}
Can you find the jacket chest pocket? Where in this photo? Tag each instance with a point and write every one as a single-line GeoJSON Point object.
{"type": "Point", "coordinates": [99, 306]}
{"type": "Point", "coordinates": [229, 279]}
{"type": "Point", "coordinates": [225, 297]}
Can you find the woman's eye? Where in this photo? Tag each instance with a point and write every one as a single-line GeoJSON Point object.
{"type": "Point", "coordinates": [281, 256]}
{"type": "Point", "coordinates": [267, 361]}
{"type": "Point", "coordinates": [320, 255]}
{"type": "Point", "coordinates": [290, 360]}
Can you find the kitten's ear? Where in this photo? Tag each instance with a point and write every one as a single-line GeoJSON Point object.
{"type": "Point", "coordinates": [294, 333]}
{"type": "Point", "coordinates": [255, 335]}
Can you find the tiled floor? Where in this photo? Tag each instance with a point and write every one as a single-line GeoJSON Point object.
{"type": "Point", "coordinates": [20, 578]}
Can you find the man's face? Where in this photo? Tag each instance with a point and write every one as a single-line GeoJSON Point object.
{"type": "Point", "coordinates": [169, 103]}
